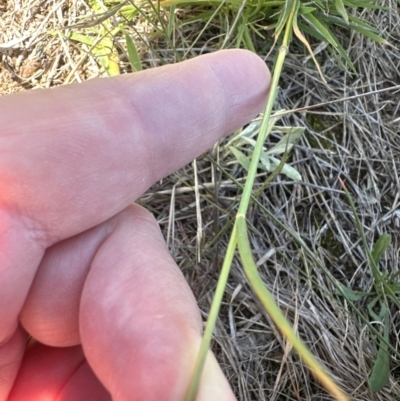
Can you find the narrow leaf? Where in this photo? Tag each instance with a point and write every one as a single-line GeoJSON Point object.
{"type": "Point", "coordinates": [283, 17]}
{"type": "Point", "coordinates": [264, 159]}
{"type": "Point", "coordinates": [358, 25]}
{"type": "Point", "coordinates": [241, 158]}
{"type": "Point", "coordinates": [289, 130]}
{"type": "Point", "coordinates": [302, 38]}
{"type": "Point", "coordinates": [365, 4]}
{"type": "Point", "coordinates": [305, 10]}
{"type": "Point", "coordinates": [380, 372]}
{"type": "Point", "coordinates": [351, 295]}
{"type": "Point", "coordinates": [276, 314]}
{"type": "Point", "coordinates": [380, 247]}
{"type": "Point", "coordinates": [132, 53]}
{"type": "Point", "coordinates": [371, 311]}
{"type": "Point", "coordinates": [78, 37]}
{"type": "Point", "coordinates": [369, 34]}
{"type": "Point", "coordinates": [341, 10]}
{"type": "Point", "coordinates": [251, 130]}
{"type": "Point", "coordinates": [316, 24]}
{"type": "Point", "coordinates": [338, 48]}
{"type": "Point", "coordinates": [288, 170]}
{"type": "Point", "coordinates": [286, 143]}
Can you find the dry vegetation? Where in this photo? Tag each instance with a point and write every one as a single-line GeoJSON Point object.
{"type": "Point", "coordinates": [355, 140]}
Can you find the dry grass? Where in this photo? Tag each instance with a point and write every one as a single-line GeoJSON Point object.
{"type": "Point", "coordinates": [357, 141]}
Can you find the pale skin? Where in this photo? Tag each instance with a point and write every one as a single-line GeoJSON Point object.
{"type": "Point", "coordinates": [83, 270]}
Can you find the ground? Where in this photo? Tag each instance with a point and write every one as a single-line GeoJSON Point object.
{"type": "Point", "coordinates": [304, 234]}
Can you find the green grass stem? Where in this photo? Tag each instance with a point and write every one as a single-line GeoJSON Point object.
{"type": "Point", "coordinates": [276, 314]}
{"type": "Point", "coordinates": [212, 318]}
{"type": "Point", "coordinates": [239, 237]}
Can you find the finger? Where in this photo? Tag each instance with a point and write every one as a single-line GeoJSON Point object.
{"type": "Point", "coordinates": [20, 254]}
{"type": "Point", "coordinates": [74, 156]}
{"type": "Point", "coordinates": [51, 309]}
{"type": "Point", "coordinates": [56, 374]}
{"type": "Point", "coordinates": [139, 323]}
{"type": "Point", "coordinates": [156, 291]}
{"type": "Point", "coordinates": [11, 353]}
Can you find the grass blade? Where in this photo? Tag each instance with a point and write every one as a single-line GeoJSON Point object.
{"type": "Point", "coordinates": [276, 314]}
{"type": "Point", "coordinates": [283, 18]}
{"type": "Point", "coordinates": [380, 372]}
{"type": "Point", "coordinates": [212, 318]}
{"type": "Point", "coordinates": [241, 157]}
{"type": "Point", "coordinates": [302, 38]}
{"type": "Point", "coordinates": [374, 266]}
{"type": "Point", "coordinates": [341, 10]}
{"type": "Point", "coordinates": [317, 25]}
{"type": "Point", "coordinates": [380, 247]}
{"type": "Point", "coordinates": [133, 55]}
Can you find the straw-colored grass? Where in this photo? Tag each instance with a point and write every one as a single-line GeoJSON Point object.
{"type": "Point", "coordinates": [355, 140]}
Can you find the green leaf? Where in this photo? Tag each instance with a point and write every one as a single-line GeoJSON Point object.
{"type": "Point", "coordinates": [380, 372]}
{"type": "Point", "coordinates": [264, 159]}
{"type": "Point", "coordinates": [341, 10]}
{"type": "Point", "coordinates": [358, 25]}
{"type": "Point", "coordinates": [241, 158]}
{"type": "Point", "coordinates": [107, 56]}
{"type": "Point", "coordinates": [288, 170]}
{"type": "Point", "coordinates": [317, 25]}
{"type": "Point", "coordinates": [78, 37]}
{"type": "Point", "coordinates": [286, 142]}
{"type": "Point", "coordinates": [244, 140]}
{"type": "Point", "coordinates": [302, 38]}
{"type": "Point", "coordinates": [345, 56]}
{"type": "Point", "coordinates": [360, 22]}
{"type": "Point", "coordinates": [133, 55]}
{"type": "Point", "coordinates": [349, 294]}
{"type": "Point", "coordinates": [365, 4]}
{"type": "Point", "coordinates": [369, 34]}
{"type": "Point", "coordinates": [276, 314]}
{"type": "Point", "coordinates": [339, 48]}
{"type": "Point", "coordinates": [311, 31]}
{"type": "Point", "coordinates": [167, 3]}
{"type": "Point", "coordinates": [305, 10]}
{"type": "Point", "coordinates": [380, 247]}
{"type": "Point", "coordinates": [251, 130]}
{"type": "Point", "coordinates": [288, 130]}
{"type": "Point", "coordinates": [371, 311]}
{"type": "Point", "coordinates": [283, 17]}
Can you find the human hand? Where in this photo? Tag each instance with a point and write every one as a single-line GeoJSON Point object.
{"type": "Point", "coordinates": [83, 271]}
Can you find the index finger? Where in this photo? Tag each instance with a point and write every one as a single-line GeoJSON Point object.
{"type": "Point", "coordinates": [72, 157]}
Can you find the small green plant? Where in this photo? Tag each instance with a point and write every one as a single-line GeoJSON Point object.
{"type": "Point", "coordinates": [386, 288]}
{"type": "Point", "coordinates": [99, 34]}
{"type": "Point", "coordinates": [99, 39]}
{"type": "Point", "coordinates": [243, 144]}
{"type": "Point", "coordinates": [267, 19]}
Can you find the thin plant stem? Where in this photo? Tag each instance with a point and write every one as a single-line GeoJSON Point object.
{"type": "Point", "coordinates": [277, 316]}
{"type": "Point", "coordinates": [239, 237]}
{"type": "Point", "coordinates": [244, 203]}
{"type": "Point", "coordinates": [212, 318]}
{"type": "Point", "coordinates": [243, 242]}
